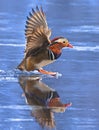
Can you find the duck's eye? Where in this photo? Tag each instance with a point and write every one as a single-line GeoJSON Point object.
{"type": "Point", "coordinates": [64, 42]}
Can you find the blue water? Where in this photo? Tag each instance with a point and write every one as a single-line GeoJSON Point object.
{"type": "Point", "coordinates": [79, 22]}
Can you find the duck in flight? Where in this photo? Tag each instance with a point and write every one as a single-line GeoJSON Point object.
{"type": "Point", "coordinates": [40, 50]}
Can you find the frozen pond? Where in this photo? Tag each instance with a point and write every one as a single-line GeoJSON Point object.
{"type": "Point", "coordinates": [79, 22]}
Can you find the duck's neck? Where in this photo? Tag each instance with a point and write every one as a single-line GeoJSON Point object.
{"type": "Point", "coordinates": [56, 49]}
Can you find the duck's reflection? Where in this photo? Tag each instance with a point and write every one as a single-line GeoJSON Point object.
{"type": "Point", "coordinates": [43, 99]}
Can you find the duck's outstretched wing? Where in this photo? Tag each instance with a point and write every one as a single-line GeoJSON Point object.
{"type": "Point", "coordinates": [37, 32]}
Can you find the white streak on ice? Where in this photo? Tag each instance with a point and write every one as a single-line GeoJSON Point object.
{"type": "Point", "coordinates": [86, 48]}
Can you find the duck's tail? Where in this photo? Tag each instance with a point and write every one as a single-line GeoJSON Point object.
{"type": "Point", "coordinates": [21, 66]}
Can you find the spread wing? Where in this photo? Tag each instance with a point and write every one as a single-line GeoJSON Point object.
{"type": "Point", "coordinates": [37, 32]}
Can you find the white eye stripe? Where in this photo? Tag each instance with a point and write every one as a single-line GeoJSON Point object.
{"type": "Point", "coordinates": [62, 40]}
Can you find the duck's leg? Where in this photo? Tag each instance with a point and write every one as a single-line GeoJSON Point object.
{"type": "Point", "coordinates": [47, 72]}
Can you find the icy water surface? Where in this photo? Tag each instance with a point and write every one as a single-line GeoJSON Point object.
{"type": "Point", "coordinates": [79, 84]}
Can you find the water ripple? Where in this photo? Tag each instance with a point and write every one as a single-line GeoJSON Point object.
{"type": "Point", "coordinates": [17, 120]}
{"type": "Point", "coordinates": [82, 28]}
{"type": "Point", "coordinates": [12, 45]}
{"type": "Point", "coordinates": [86, 48]}
{"type": "Point", "coordinates": [18, 107]}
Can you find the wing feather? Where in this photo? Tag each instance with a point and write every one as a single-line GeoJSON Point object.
{"type": "Point", "coordinates": [38, 37]}
{"type": "Point", "coordinates": [37, 31]}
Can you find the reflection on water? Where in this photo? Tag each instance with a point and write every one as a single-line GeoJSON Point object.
{"type": "Point", "coordinates": [44, 100]}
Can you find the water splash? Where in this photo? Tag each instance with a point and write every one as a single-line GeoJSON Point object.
{"type": "Point", "coordinates": [8, 76]}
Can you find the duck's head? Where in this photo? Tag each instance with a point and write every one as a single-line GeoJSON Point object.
{"type": "Point", "coordinates": [62, 42]}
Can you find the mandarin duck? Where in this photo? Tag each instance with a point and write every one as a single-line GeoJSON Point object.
{"type": "Point", "coordinates": [40, 50]}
